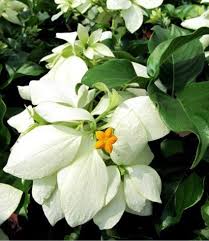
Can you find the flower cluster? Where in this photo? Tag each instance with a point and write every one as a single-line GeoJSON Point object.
{"type": "Point", "coordinates": [87, 159]}
{"type": "Point", "coordinates": [86, 46]}
{"type": "Point", "coordinates": [10, 9]}
{"type": "Point", "coordinates": [131, 11]}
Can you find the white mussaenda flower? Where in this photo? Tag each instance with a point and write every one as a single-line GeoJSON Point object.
{"type": "Point", "coordinates": [89, 46]}
{"type": "Point", "coordinates": [48, 151]}
{"type": "Point", "coordinates": [132, 11]}
{"type": "Point", "coordinates": [63, 158]}
{"type": "Point", "coordinates": [67, 5]}
{"type": "Point", "coordinates": [136, 121]}
{"type": "Point", "coordinates": [9, 201]}
{"type": "Point", "coordinates": [10, 9]}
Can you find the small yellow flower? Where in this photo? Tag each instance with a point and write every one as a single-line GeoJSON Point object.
{"type": "Point", "coordinates": [105, 140]}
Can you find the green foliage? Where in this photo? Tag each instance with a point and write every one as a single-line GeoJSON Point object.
{"type": "Point", "coordinates": [113, 73]}
{"type": "Point", "coordinates": [189, 111]}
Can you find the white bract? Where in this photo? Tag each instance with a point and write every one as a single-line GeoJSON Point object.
{"type": "Point", "coordinates": [196, 23]}
{"type": "Point", "coordinates": [58, 149]}
{"type": "Point", "coordinates": [132, 11]}
{"type": "Point", "coordinates": [87, 45]}
{"type": "Point", "coordinates": [136, 121]}
{"type": "Point", "coordinates": [67, 5]}
{"type": "Point", "coordinates": [10, 198]}
{"type": "Point", "coordinates": [10, 9]}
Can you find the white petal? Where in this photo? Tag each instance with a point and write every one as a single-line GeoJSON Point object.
{"type": "Point", "coordinates": [137, 92]}
{"type": "Point", "coordinates": [140, 70]}
{"type": "Point", "coordinates": [53, 112]}
{"type": "Point", "coordinates": [89, 53]}
{"type": "Point", "coordinates": [133, 17]}
{"type": "Point", "coordinates": [52, 208]}
{"type": "Point", "coordinates": [85, 96]}
{"type": "Point", "coordinates": [60, 82]}
{"type": "Point", "coordinates": [135, 201]}
{"type": "Point", "coordinates": [43, 151]}
{"type": "Point", "coordinates": [205, 41]}
{"type": "Point", "coordinates": [9, 201]}
{"type": "Point", "coordinates": [43, 188]}
{"type": "Point", "coordinates": [69, 37]}
{"type": "Point", "coordinates": [113, 183]}
{"type": "Point", "coordinates": [149, 116]}
{"type": "Point", "coordinates": [110, 215]}
{"type": "Point", "coordinates": [146, 182]}
{"type": "Point", "coordinates": [83, 187]}
{"type": "Point", "coordinates": [82, 34]}
{"type": "Point", "coordinates": [198, 22]}
{"type": "Point", "coordinates": [145, 157]}
{"type": "Point", "coordinates": [22, 121]}
{"type": "Point", "coordinates": [24, 92]}
{"type": "Point", "coordinates": [102, 106]}
{"type": "Point", "coordinates": [85, 6]}
{"type": "Point", "coordinates": [149, 4]}
{"type": "Point", "coordinates": [146, 211]}
{"type": "Point", "coordinates": [119, 4]}
{"type": "Point", "coordinates": [131, 134]}
{"type": "Point", "coordinates": [103, 50]}
{"type": "Point", "coordinates": [160, 86]}
{"type": "Point", "coordinates": [95, 36]}
{"type": "Point", "coordinates": [106, 35]}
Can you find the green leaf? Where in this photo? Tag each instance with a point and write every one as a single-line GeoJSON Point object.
{"type": "Point", "coordinates": [30, 69]}
{"type": "Point", "coordinates": [203, 234]}
{"type": "Point", "coordinates": [189, 192]}
{"type": "Point", "coordinates": [164, 50]}
{"type": "Point", "coordinates": [185, 194]}
{"type": "Point", "coordinates": [205, 212]}
{"type": "Point", "coordinates": [179, 68]}
{"type": "Point", "coordinates": [4, 133]}
{"type": "Point", "coordinates": [113, 73]}
{"type": "Point", "coordinates": [171, 147]}
{"type": "Point", "coordinates": [188, 112]}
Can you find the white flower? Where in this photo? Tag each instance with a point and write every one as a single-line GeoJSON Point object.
{"type": "Point", "coordinates": [61, 156]}
{"type": "Point", "coordinates": [89, 46]}
{"type": "Point", "coordinates": [132, 11]}
{"type": "Point", "coordinates": [141, 185]}
{"type": "Point", "coordinates": [10, 198]}
{"type": "Point", "coordinates": [59, 85]}
{"type": "Point", "coordinates": [52, 150]}
{"type": "Point", "coordinates": [67, 5]}
{"type": "Point", "coordinates": [197, 22]}
{"type": "Point", "coordinates": [136, 121]}
{"type": "Point", "coordinates": [10, 9]}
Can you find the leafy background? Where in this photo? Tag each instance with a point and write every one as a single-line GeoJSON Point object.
{"type": "Point", "coordinates": [172, 54]}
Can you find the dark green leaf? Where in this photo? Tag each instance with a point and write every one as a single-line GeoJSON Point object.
{"type": "Point", "coordinates": [188, 112]}
{"type": "Point", "coordinates": [30, 69]}
{"type": "Point", "coordinates": [164, 50]}
{"type": "Point", "coordinates": [185, 194]}
{"type": "Point", "coordinates": [4, 133]}
{"type": "Point", "coordinates": [205, 212]}
{"type": "Point", "coordinates": [189, 192]}
{"type": "Point", "coordinates": [113, 73]}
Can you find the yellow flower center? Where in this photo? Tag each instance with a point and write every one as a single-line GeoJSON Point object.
{"type": "Point", "coordinates": [105, 140]}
